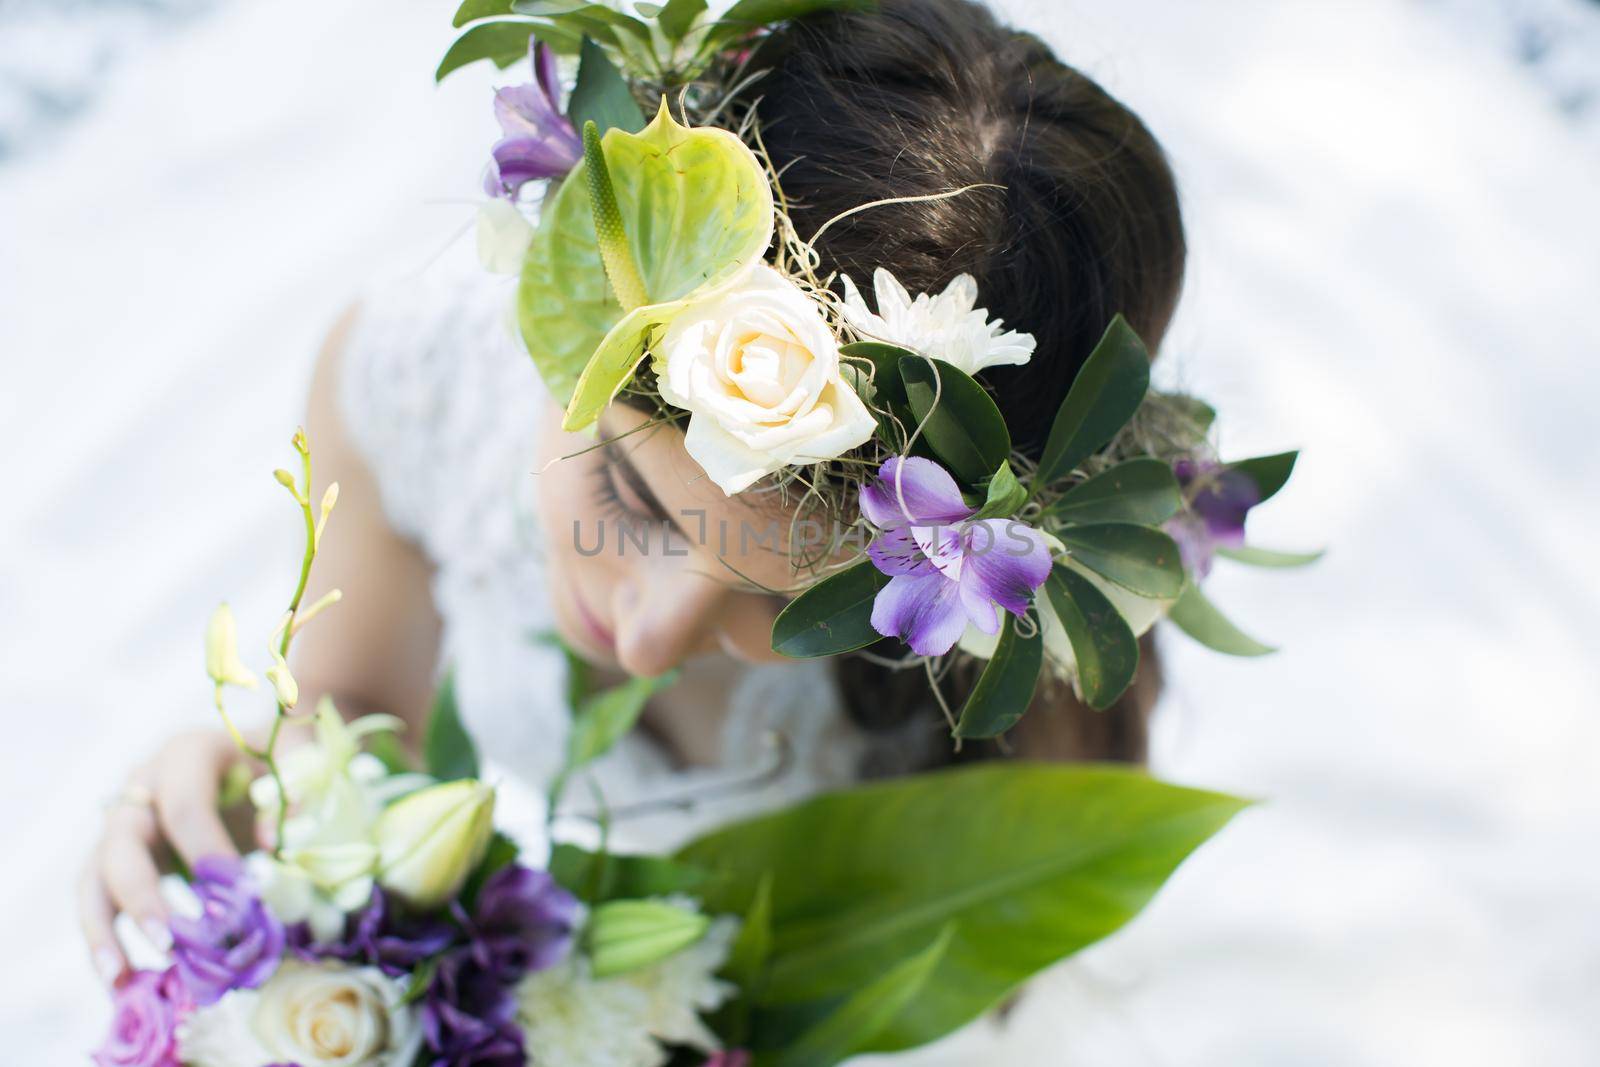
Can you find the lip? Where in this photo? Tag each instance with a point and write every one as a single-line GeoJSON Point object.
{"type": "Point", "coordinates": [594, 628]}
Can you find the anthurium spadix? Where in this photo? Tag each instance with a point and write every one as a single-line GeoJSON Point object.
{"type": "Point", "coordinates": [682, 213]}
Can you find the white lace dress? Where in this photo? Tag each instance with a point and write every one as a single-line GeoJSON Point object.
{"type": "Point", "coordinates": [443, 402]}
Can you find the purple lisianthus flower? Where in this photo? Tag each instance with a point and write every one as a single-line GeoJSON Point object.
{"type": "Point", "coordinates": [1216, 500]}
{"type": "Point", "coordinates": [539, 142]}
{"type": "Point", "coordinates": [393, 942]}
{"type": "Point", "coordinates": [945, 569]}
{"type": "Point", "coordinates": [469, 1016]}
{"type": "Point", "coordinates": [234, 943]}
{"type": "Point", "coordinates": [144, 1026]}
{"type": "Point", "coordinates": [522, 921]}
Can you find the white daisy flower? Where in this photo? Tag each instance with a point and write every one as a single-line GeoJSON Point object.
{"type": "Point", "coordinates": [949, 326]}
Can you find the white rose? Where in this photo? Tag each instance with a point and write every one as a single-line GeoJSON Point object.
{"type": "Point", "coordinates": [313, 1015]}
{"type": "Point", "coordinates": [757, 368]}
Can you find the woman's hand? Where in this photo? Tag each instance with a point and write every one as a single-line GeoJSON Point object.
{"type": "Point", "coordinates": [169, 802]}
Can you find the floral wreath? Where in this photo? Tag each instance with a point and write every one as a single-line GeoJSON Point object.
{"type": "Point", "coordinates": [663, 263]}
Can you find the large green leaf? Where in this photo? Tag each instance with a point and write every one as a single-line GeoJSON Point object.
{"type": "Point", "coordinates": [1027, 862]}
{"type": "Point", "coordinates": [1268, 472]}
{"type": "Point", "coordinates": [1199, 618]}
{"type": "Point", "coordinates": [677, 16]}
{"type": "Point", "coordinates": [1103, 397]}
{"type": "Point", "coordinates": [832, 616]}
{"type": "Point", "coordinates": [1138, 558]}
{"type": "Point", "coordinates": [747, 14]}
{"type": "Point", "coordinates": [503, 42]}
{"type": "Point", "coordinates": [447, 749]}
{"type": "Point", "coordinates": [1104, 649]}
{"type": "Point", "coordinates": [696, 209]}
{"type": "Point", "coordinates": [1142, 491]}
{"type": "Point", "coordinates": [472, 10]}
{"type": "Point", "coordinates": [853, 1025]}
{"type": "Point", "coordinates": [611, 876]}
{"type": "Point", "coordinates": [1005, 688]}
{"type": "Point", "coordinates": [601, 95]}
{"type": "Point", "coordinates": [958, 418]}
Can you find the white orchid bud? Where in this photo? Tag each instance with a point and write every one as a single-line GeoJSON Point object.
{"type": "Point", "coordinates": [222, 651]}
{"type": "Point", "coordinates": [283, 684]}
{"type": "Point", "coordinates": [430, 842]}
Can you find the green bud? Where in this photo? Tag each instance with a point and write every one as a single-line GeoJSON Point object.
{"type": "Point", "coordinates": [625, 935]}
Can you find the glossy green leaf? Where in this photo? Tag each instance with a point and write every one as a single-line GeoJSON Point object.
{"type": "Point", "coordinates": [1199, 618]}
{"type": "Point", "coordinates": [887, 388]}
{"type": "Point", "coordinates": [1142, 491]}
{"type": "Point", "coordinates": [626, 935]}
{"type": "Point", "coordinates": [753, 945]}
{"type": "Point", "coordinates": [447, 749]}
{"type": "Point", "coordinates": [1003, 495]}
{"type": "Point", "coordinates": [1266, 557]}
{"type": "Point", "coordinates": [1005, 688]}
{"type": "Point", "coordinates": [832, 616]}
{"type": "Point", "coordinates": [501, 853]}
{"type": "Point", "coordinates": [678, 16]}
{"type": "Point", "coordinates": [1027, 862]}
{"type": "Point", "coordinates": [601, 95]}
{"type": "Point", "coordinates": [611, 876]}
{"type": "Point", "coordinates": [1103, 397]}
{"type": "Point", "coordinates": [696, 208]}
{"type": "Point", "coordinates": [747, 14]}
{"type": "Point", "coordinates": [1104, 648]}
{"type": "Point", "coordinates": [503, 42]}
{"type": "Point", "coordinates": [472, 10]}
{"type": "Point", "coordinates": [1268, 472]}
{"type": "Point", "coordinates": [601, 720]}
{"type": "Point", "coordinates": [1138, 558]}
{"type": "Point", "coordinates": [852, 1027]}
{"type": "Point", "coordinates": [959, 419]}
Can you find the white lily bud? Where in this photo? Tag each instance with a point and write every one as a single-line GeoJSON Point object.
{"type": "Point", "coordinates": [222, 651]}
{"type": "Point", "coordinates": [430, 842]}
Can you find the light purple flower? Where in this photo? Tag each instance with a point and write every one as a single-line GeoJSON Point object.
{"type": "Point", "coordinates": [945, 569]}
{"type": "Point", "coordinates": [1216, 500]}
{"type": "Point", "coordinates": [144, 1025]}
{"type": "Point", "coordinates": [234, 943]}
{"type": "Point", "coordinates": [540, 142]}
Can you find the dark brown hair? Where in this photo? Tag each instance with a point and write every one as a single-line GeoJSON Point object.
{"type": "Point", "coordinates": [919, 97]}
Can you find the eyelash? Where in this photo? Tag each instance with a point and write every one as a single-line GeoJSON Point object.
{"type": "Point", "coordinates": [609, 497]}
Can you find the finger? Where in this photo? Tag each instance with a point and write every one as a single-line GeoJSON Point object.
{"type": "Point", "coordinates": [95, 916]}
{"type": "Point", "coordinates": [132, 879]}
{"type": "Point", "coordinates": [186, 805]}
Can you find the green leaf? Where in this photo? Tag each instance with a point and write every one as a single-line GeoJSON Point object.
{"type": "Point", "coordinates": [626, 935]}
{"type": "Point", "coordinates": [754, 943]}
{"type": "Point", "coordinates": [696, 208]}
{"type": "Point", "coordinates": [601, 877]}
{"type": "Point", "coordinates": [851, 1027]}
{"type": "Point", "coordinates": [1195, 411]}
{"type": "Point", "coordinates": [750, 13]}
{"type": "Point", "coordinates": [601, 721]}
{"type": "Point", "coordinates": [1005, 688]}
{"type": "Point", "coordinates": [501, 853]}
{"type": "Point", "coordinates": [677, 17]}
{"type": "Point", "coordinates": [503, 42]}
{"type": "Point", "coordinates": [1003, 496]}
{"type": "Point", "coordinates": [472, 10]}
{"type": "Point", "coordinates": [1028, 862]}
{"type": "Point", "coordinates": [447, 749]}
{"type": "Point", "coordinates": [958, 418]}
{"type": "Point", "coordinates": [1103, 397]}
{"type": "Point", "coordinates": [1266, 557]}
{"type": "Point", "coordinates": [832, 616]}
{"type": "Point", "coordinates": [888, 388]}
{"type": "Point", "coordinates": [421, 979]}
{"type": "Point", "coordinates": [1142, 491]}
{"type": "Point", "coordinates": [1268, 472]}
{"type": "Point", "coordinates": [1103, 645]}
{"type": "Point", "coordinates": [601, 95]}
{"type": "Point", "coordinates": [388, 750]}
{"type": "Point", "coordinates": [1199, 618]}
{"type": "Point", "coordinates": [1138, 558]}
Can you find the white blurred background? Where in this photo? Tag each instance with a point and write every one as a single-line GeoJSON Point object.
{"type": "Point", "coordinates": [1394, 210]}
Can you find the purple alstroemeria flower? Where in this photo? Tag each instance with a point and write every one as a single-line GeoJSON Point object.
{"type": "Point", "coordinates": [540, 142]}
{"type": "Point", "coordinates": [234, 943]}
{"type": "Point", "coordinates": [144, 1024]}
{"type": "Point", "coordinates": [377, 935]}
{"type": "Point", "coordinates": [945, 569]}
{"type": "Point", "coordinates": [469, 1016]}
{"type": "Point", "coordinates": [522, 921]}
{"type": "Point", "coordinates": [1216, 500]}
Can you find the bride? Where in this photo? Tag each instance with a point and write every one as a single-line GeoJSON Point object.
{"type": "Point", "coordinates": [465, 539]}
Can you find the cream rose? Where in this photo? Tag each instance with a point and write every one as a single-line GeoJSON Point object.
{"type": "Point", "coordinates": [313, 1015]}
{"type": "Point", "coordinates": [757, 368]}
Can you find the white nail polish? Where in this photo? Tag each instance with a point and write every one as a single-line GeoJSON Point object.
{"type": "Point", "coordinates": [107, 965]}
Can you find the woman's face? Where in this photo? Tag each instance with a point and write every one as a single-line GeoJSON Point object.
{"type": "Point", "coordinates": [651, 564]}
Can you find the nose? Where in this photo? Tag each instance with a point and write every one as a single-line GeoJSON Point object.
{"type": "Point", "coordinates": [664, 617]}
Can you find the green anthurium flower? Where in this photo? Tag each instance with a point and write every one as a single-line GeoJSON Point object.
{"type": "Point", "coordinates": [691, 208]}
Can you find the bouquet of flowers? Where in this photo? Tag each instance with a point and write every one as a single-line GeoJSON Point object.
{"type": "Point", "coordinates": [389, 923]}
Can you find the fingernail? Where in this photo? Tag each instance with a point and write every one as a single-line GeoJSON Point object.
{"type": "Point", "coordinates": [157, 932]}
{"type": "Point", "coordinates": [107, 964]}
